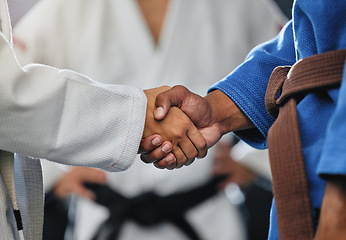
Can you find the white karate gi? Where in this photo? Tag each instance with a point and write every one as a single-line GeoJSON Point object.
{"type": "Point", "coordinates": [201, 41]}
{"type": "Point", "coordinates": [62, 116]}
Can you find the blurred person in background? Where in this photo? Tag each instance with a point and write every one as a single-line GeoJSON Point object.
{"type": "Point", "coordinates": [146, 43]}
{"type": "Point", "coordinates": [248, 184]}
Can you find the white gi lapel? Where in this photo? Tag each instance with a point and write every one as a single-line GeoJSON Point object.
{"type": "Point", "coordinates": [162, 49]}
{"type": "Point", "coordinates": [137, 41]}
{"type": "Point", "coordinates": [180, 39]}
{"type": "Point", "coordinates": [146, 58]}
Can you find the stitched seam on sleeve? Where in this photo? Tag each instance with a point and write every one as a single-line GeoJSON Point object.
{"type": "Point", "coordinates": [128, 132]}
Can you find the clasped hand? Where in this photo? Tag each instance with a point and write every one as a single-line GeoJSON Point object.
{"type": "Point", "coordinates": [188, 121]}
{"type": "Point", "coordinates": [177, 128]}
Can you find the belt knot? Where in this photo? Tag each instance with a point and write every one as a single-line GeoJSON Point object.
{"type": "Point", "coordinates": [274, 90]}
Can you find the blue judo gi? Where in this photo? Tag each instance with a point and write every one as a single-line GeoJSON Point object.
{"type": "Point", "coordinates": [317, 26]}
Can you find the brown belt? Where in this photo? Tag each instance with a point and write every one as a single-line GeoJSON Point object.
{"type": "Point", "coordinates": [312, 74]}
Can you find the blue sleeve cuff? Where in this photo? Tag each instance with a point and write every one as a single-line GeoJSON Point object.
{"type": "Point", "coordinates": [255, 137]}
{"type": "Point", "coordinates": [247, 84]}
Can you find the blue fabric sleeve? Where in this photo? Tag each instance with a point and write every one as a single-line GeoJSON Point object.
{"type": "Point", "coordinates": [333, 158]}
{"type": "Point", "coordinates": [247, 84]}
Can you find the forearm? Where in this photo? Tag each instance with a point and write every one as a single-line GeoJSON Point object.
{"type": "Point", "coordinates": [226, 113]}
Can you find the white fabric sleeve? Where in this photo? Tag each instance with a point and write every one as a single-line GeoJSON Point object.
{"type": "Point", "coordinates": [66, 117]}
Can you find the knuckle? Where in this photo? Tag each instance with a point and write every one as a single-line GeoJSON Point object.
{"type": "Point", "coordinates": [193, 154]}
{"type": "Point", "coordinates": [178, 133]}
{"type": "Point", "coordinates": [202, 148]}
{"type": "Point", "coordinates": [181, 162]}
{"type": "Point", "coordinates": [180, 88]}
{"type": "Point", "coordinates": [160, 98]}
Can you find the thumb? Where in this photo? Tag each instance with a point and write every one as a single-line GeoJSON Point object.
{"type": "Point", "coordinates": [172, 97]}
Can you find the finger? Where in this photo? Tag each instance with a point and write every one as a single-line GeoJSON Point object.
{"type": "Point", "coordinates": [198, 141]}
{"type": "Point", "coordinates": [189, 150]}
{"type": "Point", "coordinates": [158, 153]}
{"type": "Point", "coordinates": [181, 158]}
{"type": "Point", "coordinates": [168, 162]}
{"type": "Point", "coordinates": [189, 162]}
{"type": "Point", "coordinates": [150, 143]}
{"type": "Point", "coordinates": [165, 100]}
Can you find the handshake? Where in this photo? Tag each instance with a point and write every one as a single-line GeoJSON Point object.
{"type": "Point", "coordinates": [181, 125]}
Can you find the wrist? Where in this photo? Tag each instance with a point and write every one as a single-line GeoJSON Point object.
{"type": "Point", "coordinates": [226, 114]}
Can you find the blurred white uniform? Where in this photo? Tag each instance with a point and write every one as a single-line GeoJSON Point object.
{"type": "Point", "coordinates": [18, 8]}
{"type": "Point", "coordinates": [39, 109]}
{"type": "Point", "coordinates": [200, 42]}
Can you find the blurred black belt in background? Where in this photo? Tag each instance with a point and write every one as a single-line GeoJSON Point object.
{"type": "Point", "coordinates": [150, 209]}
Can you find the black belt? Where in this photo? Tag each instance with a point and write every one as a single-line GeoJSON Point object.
{"type": "Point", "coordinates": [150, 209]}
